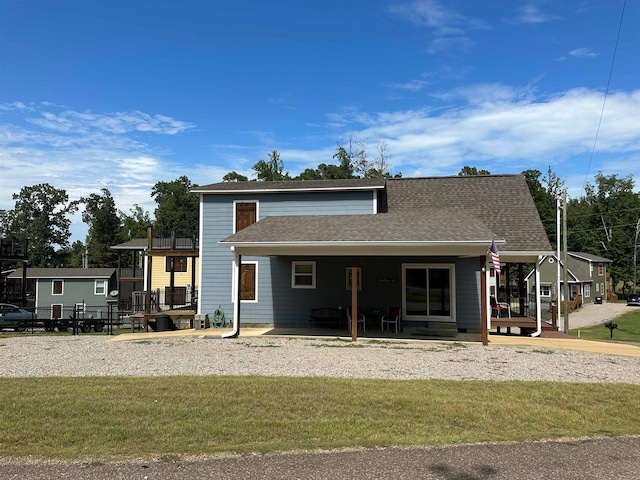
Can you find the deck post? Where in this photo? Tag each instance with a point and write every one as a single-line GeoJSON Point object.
{"type": "Point", "coordinates": [483, 300]}
{"type": "Point", "coordinates": [354, 301]}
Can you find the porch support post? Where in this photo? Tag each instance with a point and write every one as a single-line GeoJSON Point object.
{"type": "Point", "coordinates": [483, 300]}
{"type": "Point", "coordinates": [147, 299]}
{"type": "Point", "coordinates": [236, 306]}
{"type": "Point", "coordinates": [354, 301]}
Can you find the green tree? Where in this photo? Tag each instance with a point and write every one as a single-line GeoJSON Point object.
{"type": "Point", "coordinates": [134, 225]}
{"type": "Point", "coordinates": [545, 191]}
{"type": "Point", "coordinates": [177, 209]}
{"type": "Point", "coordinates": [73, 257]}
{"type": "Point", "coordinates": [469, 171]}
{"type": "Point", "coordinates": [271, 171]}
{"type": "Point", "coordinates": [101, 216]}
{"type": "Point", "coordinates": [41, 215]}
{"type": "Point", "coordinates": [604, 222]}
{"type": "Point", "coordinates": [234, 177]}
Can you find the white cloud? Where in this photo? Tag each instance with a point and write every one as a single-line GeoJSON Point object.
{"type": "Point", "coordinates": [448, 27]}
{"type": "Point", "coordinates": [82, 152]}
{"type": "Point", "coordinates": [531, 13]}
{"type": "Point", "coordinates": [111, 123]}
{"type": "Point", "coordinates": [583, 53]}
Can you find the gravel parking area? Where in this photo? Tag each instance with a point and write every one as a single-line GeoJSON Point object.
{"type": "Point", "coordinates": [41, 356]}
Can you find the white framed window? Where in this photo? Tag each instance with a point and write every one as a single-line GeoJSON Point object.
{"type": "Point", "coordinates": [99, 287]}
{"type": "Point", "coordinates": [303, 274]}
{"type": "Point", "coordinates": [358, 277]}
{"type": "Point", "coordinates": [249, 284]}
{"type": "Point", "coordinates": [57, 287]}
{"type": "Point", "coordinates": [245, 213]}
{"type": "Point", "coordinates": [545, 290]}
{"type": "Point", "coordinates": [56, 310]}
{"type": "Point", "coordinates": [428, 291]}
{"type": "Point", "coordinates": [587, 290]}
{"type": "Point", "coordinates": [597, 288]}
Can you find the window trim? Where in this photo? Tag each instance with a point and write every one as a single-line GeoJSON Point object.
{"type": "Point", "coordinates": [587, 290]}
{"type": "Point", "coordinates": [53, 305]}
{"type": "Point", "coordinates": [168, 270]}
{"type": "Point", "coordinates": [600, 269]}
{"type": "Point", "coordinates": [547, 286]}
{"type": "Point", "coordinates": [452, 291]}
{"type": "Point", "coordinates": [104, 287]}
{"type": "Point", "coordinates": [234, 282]}
{"type": "Point", "coordinates": [235, 210]}
{"type": "Point", "coordinates": [295, 275]}
{"type": "Point", "coordinates": [53, 287]}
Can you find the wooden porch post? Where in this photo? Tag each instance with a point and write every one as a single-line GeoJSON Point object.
{"type": "Point", "coordinates": [354, 301]}
{"type": "Point", "coordinates": [483, 300]}
{"type": "Point", "coordinates": [147, 302]}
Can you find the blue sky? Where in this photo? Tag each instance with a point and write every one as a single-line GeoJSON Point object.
{"type": "Point", "coordinates": [121, 95]}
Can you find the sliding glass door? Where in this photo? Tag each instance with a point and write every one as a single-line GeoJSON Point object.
{"type": "Point", "coordinates": [428, 291]}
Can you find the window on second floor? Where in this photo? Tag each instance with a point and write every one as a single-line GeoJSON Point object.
{"type": "Point", "coordinates": [57, 287]}
{"type": "Point", "coordinates": [179, 264]}
{"type": "Point", "coordinates": [600, 269]}
{"type": "Point", "coordinates": [245, 214]}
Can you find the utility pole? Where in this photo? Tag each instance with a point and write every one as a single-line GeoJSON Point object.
{"type": "Point", "coordinates": [558, 262]}
{"type": "Point", "coordinates": [564, 260]}
{"type": "Point", "coordinates": [635, 255]}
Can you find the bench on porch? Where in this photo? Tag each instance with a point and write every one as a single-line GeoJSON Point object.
{"type": "Point", "coordinates": [326, 315]}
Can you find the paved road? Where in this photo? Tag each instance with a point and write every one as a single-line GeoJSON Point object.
{"type": "Point", "coordinates": [601, 459]}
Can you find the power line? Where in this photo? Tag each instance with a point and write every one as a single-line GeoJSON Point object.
{"type": "Point", "coordinates": [606, 93]}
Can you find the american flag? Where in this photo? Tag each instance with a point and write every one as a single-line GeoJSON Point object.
{"type": "Point", "coordinates": [493, 250]}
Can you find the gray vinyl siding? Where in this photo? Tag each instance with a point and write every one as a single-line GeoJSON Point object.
{"type": "Point", "coordinates": [75, 290]}
{"type": "Point", "coordinates": [217, 224]}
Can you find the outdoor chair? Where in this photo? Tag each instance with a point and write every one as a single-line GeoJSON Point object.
{"type": "Point", "coordinates": [499, 307]}
{"type": "Point", "coordinates": [392, 317]}
{"type": "Point", "coordinates": [361, 320]}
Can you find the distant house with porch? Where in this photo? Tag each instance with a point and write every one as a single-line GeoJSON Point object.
{"type": "Point", "coordinates": [588, 277]}
{"type": "Point", "coordinates": [415, 243]}
{"type": "Point", "coordinates": [169, 270]}
{"type": "Point", "coordinates": [58, 292]}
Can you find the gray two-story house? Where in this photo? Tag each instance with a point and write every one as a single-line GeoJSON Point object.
{"type": "Point", "coordinates": [587, 276]}
{"type": "Point", "coordinates": [415, 243]}
{"type": "Point", "coordinates": [59, 292]}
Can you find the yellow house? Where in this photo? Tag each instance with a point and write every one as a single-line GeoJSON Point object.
{"type": "Point", "coordinates": [169, 270]}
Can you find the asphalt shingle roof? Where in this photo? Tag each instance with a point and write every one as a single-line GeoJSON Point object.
{"type": "Point", "coordinates": [436, 209]}
{"type": "Point", "coordinates": [347, 184]}
{"type": "Point", "coordinates": [65, 273]}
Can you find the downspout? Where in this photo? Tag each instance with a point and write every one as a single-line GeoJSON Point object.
{"type": "Point", "coordinates": [538, 312]}
{"type": "Point", "coordinates": [236, 306]}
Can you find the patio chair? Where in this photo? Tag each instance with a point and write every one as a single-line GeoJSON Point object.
{"type": "Point", "coordinates": [361, 320]}
{"type": "Point", "coordinates": [499, 307]}
{"type": "Point", "coordinates": [392, 317]}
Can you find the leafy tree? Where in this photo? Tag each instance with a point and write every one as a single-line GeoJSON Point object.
{"type": "Point", "coordinates": [234, 177]}
{"type": "Point", "coordinates": [545, 191]}
{"type": "Point", "coordinates": [40, 215]}
{"type": "Point", "coordinates": [134, 225]}
{"type": "Point", "coordinates": [101, 216]}
{"type": "Point", "coordinates": [604, 221]}
{"type": "Point", "coordinates": [73, 257]}
{"type": "Point", "coordinates": [271, 171]}
{"type": "Point", "coordinates": [177, 209]}
{"type": "Point", "coordinates": [469, 171]}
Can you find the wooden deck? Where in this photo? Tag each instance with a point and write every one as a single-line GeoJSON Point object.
{"type": "Point", "coordinates": [521, 322]}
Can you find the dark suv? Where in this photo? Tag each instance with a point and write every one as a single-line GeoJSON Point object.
{"type": "Point", "coordinates": [633, 299]}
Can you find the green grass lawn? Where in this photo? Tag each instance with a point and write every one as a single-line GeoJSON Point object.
{"type": "Point", "coordinates": [628, 329]}
{"type": "Point", "coordinates": [109, 418]}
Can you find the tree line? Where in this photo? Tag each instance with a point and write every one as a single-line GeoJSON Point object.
{"type": "Point", "coordinates": [604, 221]}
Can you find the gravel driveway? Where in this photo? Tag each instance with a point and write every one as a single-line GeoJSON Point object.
{"type": "Point", "coordinates": [40, 356]}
